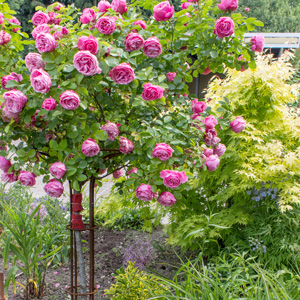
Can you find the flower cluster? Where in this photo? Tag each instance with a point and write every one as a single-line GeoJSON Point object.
{"type": "Point", "coordinates": [257, 245]}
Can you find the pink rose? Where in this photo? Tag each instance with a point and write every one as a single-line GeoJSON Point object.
{"type": "Point", "coordinates": [117, 174]}
{"type": "Point", "coordinates": [15, 101]}
{"type": "Point", "coordinates": [132, 170]}
{"type": "Point", "coordinates": [88, 15]}
{"type": "Point", "coordinates": [60, 32]}
{"type": "Point", "coordinates": [198, 107]}
{"type": "Point", "coordinates": [210, 122]}
{"type": "Point", "coordinates": [143, 192]}
{"type": "Point", "coordinates": [90, 148]}
{"type": "Point", "coordinates": [126, 146]}
{"type": "Point", "coordinates": [258, 43]}
{"type": "Point", "coordinates": [106, 25]}
{"type": "Point", "coordinates": [14, 20]}
{"type": "Point", "coordinates": [140, 23]}
{"type": "Point", "coordinates": [103, 6]}
{"type": "Point", "coordinates": [122, 74]}
{"type": "Point", "coordinates": [45, 42]}
{"type": "Point", "coordinates": [163, 11]}
{"type": "Point", "coordinates": [195, 117]}
{"type": "Point", "coordinates": [43, 28]}
{"type": "Point", "coordinates": [40, 18]}
{"type": "Point", "coordinates": [185, 5]}
{"type": "Point", "coordinates": [34, 61]}
{"type": "Point", "coordinates": [162, 151]}
{"type": "Point", "coordinates": [210, 137]}
{"type": "Point", "coordinates": [49, 104]}
{"type": "Point", "coordinates": [166, 199]}
{"type": "Point", "coordinates": [212, 162]}
{"type": "Point", "coordinates": [5, 164]}
{"type": "Point", "coordinates": [13, 76]}
{"type": "Point", "coordinates": [69, 100]}
{"type": "Point", "coordinates": [58, 6]}
{"type": "Point", "coordinates": [7, 116]}
{"type": "Point", "coordinates": [40, 81]}
{"type": "Point", "coordinates": [58, 170]}
{"type": "Point", "coordinates": [240, 58]}
{"type": "Point", "coordinates": [54, 188]}
{"type": "Point", "coordinates": [227, 5]}
{"type": "Point", "coordinates": [133, 42]}
{"type": "Point", "coordinates": [88, 43]}
{"type": "Point", "coordinates": [224, 27]}
{"type": "Point", "coordinates": [152, 92]}
{"type": "Point", "coordinates": [208, 151]}
{"type": "Point", "coordinates": [238, 124]}
{"type": "Point", "coordinates": [4, 37]}
{"type": "Point", "coordinates": [27, 178]}
{"type": "Point", "coordinates": [86, 63]}
{"type": "Point", "coordinates": [53, 18]}
{"type": "Point", "coordinates": [1, 18]}
{"type": "Point", "coordinates": [206, 71]}
{"type": "Point", "coordinates": [112, 130]}
{"type": "Point", "coordinates": [220, 149]}
{"type": "Point", "coordinates": [173, 179]}
{"type": "Point", "coordinates": [247, 9]}
{"type": "Point", "coordinates": [102, 171]}
{"type": "Point", "coordinates": [119, 6]}
{"type": "Point", "coordinates": [9, 177]}
{"type": "Point", "coordinates": [171, 76]}
{"type": "Point", "coordinates": [152, 47]}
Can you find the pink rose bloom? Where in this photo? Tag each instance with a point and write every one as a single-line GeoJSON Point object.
{"type": "Point", "coordinates": [243, 59]}
{"type": "Point", "coordinates": [224, 27]}
{"type": "Point", "coordinates": [227, 5]}
{"type": "Point", "coordinates": [103, 6]}
{"type": "Point", "coordinates": [13, 76]}
{"type": "Point", "coordinates": [88, 15]}
{"type": "Point", "coordinates": [106, 25]}
{"type": "Point", "coordinates": [211, 138]}
{"type": "Point", "coordinates": [258, 43]}
{"type": "Point", "coordinates": [54, 188]}
{"type": "Point", "coordinates": [220, 149]}
{"type": "Point", "coordinates": [15, 101]}
{"type": "Point", "coordinates": [119, 6]}
{"type": "Point", "coordinates": [40, 18]}
{"type": "Point", "coordinates": [4, 37]}
{"type": "Point", "coordinates": [90, 148]}
{"type": "Point", "coordinates": [210, 122]}
{"type": "Point", "coordinates": [27, 178]}
{"type": "Point", "coordinates": [7, 116]}
{"type": "Point", "coordinates": [43, 28]}
{"type": "Point", "coordinates": [5, 164]}
{"type": "Point", "coordinates": [206, 71]}
{"type": "Point", "coordinates": [40, 81]}
{"type": "Point", "coordinates": [238, 124]}
{"type": "Point", "coordinates": [185, 5]}
{"type": "Point", "coordinates": [166, 199]}
{"type": "Point", "coordinates": [122, 74]}
{"type": "Point", "coordinates": [163, 11]}
{"type": "Point", "coordinates": [45, 42]}
{"type": "Point", "coordinates": [117, 174]}
{"type": "Point", "coordinates": [126, 146]}
{"type": "Point", "coordinates": [143, 192]}
{"type": "Point", "coordinates": [53, 18]}
{"type": "Point", "coordinates": [173, 179]}
{"type": "Point", "coordinates": [69, 100]}
{"type": "Point", "coordinates": [195, 117]}
{"type": "Point", "coordinates": [212, 162]}
{"type": "Point", "coordinates": [198, 107]}
{"type": "Point", "coordinates": [152, 47]}
{"type": "Point", "coordinates": [208, 152]}
{"type": "Point", "coordinates": [162, 151]}
{"type": "Point", "coordinates": [247, 9]}
{"type": "Point", "coordinates": [34, 61]}
{"type": "Point", "coordinates": [102, 171]}
{"type": "Point", "coordinates": [88, 43]}
{"type": "Point", "coordinates": [133, 42]}
{"type": "Point", "coordinates": [152, 92]}
{"type": "Point", "coordinates": [86, 63]}
{"type": "Point", "coordinates": [60, 32]}
{"type": "Point", "coordinates": [132, 170]}
{"type": "Point", "coordinates": [58, 6]}
{"type": "Point", "coordinates": [1, 18]}
{"type": "Point", "coordinates": [171, 76]}
{"type": "Point", "coordinates": [49, 104]}
{"type": "Point", "coordinates": [9, 177]}
{"type": "Point", "coordinates": [14, 20]}
{"type": "Point", "coordinates": [58, 170]}
{"type": "Point", "coordinates": [112, 130]}
{"type": "Point", "coordinates": [140, 23]}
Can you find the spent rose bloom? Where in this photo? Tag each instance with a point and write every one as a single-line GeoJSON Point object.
{"type": "Point", "coordinates": [5, 164]}
{"type": "Point", "coordinates": [106, 25]}
{"type": "Point", "coordinates": [212, 162]}
{"type": "Point", "coordinates": [227, 5]}
{"type": "Point", "coordinates": [166, 199]}
{"type": "Point", "coordinates": [27, 178]}
{"type": "Point", "coordinates": [198, 107]}
{"type": "Point", "coordinates": [238, 124]}
{"type": "Point", "coordinates": [119, 6]}
{"type": "Point", "coordinates": [13, 76]}
{"type": "Point", "coordinates": [40, 81]}
{"type": "Point", "coordinates": [126, 146]}
{"type": "Point", "coordinates": [4, 37]}
{"type": "Point", "coordinates": [185, 5]}
{"type": "Point", "coordinates": [43, 28]}
{"type": "Point", "coordinates": [34, 61]}
{"type": "Point", "coordinates": [15, 101]}
{"type": "Point", "coordinates": [122, 74]}
{"type": "Point", "coordinates": [258, 43]}
{"type": "Point", "coordinates": [54, 188]}
{"type": "Point", "coordinates": [58, 170]}
{"type": "Point", "coordinates": [208, 152]}
{"type": "Point", "coordinates": [163, 11]}
{"type": "Point", "coordinates": [14, 20]}
{"type": "Point", "coordinates": [88, 43]}
{"type": "Point", "coordinates": [45, 42]}
{"type": "Point", "coordinates": [152, 47]}
{"type": "Point", "coordinates": [49, 104]}
{"type": "Point", "coordinates": [211, 138]}
{"type": "Point", "coordinates": [162, 151]}
{"type": "Point", "coordinates": [173, 179]}
{"type": "Point", "coordinates": [152, 92]}
{"type": "Point", "coordinates": [7, 116]}
{"type": "Point", "coordinates": [112, 130]}
{"type": "Point", "coordinates": [224, 27]}
{"type": "Point", "coordinates": [220, 149]}
{"type": "Point", "coordinates": [90, 148]}
{"type": "Point", "coordinates": [210, 122]}
{"type": "Point", "coordinates": [9, 177]}
{"type": "Point", "coordinates": [133, 42]}
{"type": "Point", "coordinates": [132, 170]}
{"type": "Point", "coordinates": [103, 6]}
{"type": "Point", "coordinates": [69, 100]}
{"type": "Point", "coordinates": [206, 71]}
{"type": "Point", "coordinates": [53, 18]}
{"type": "Point", "coordinates": [88, 15]}
{"type": "Point", "coordinates": [143, 192]}
{"type": "Point", "coordinates": [40, 18]}
{"type": "Point", "coordinates": [140, 23]}
{"type": "Point", "coordinates": [117, 174]}
{"type": "Point", "coordinates": [171, 76]}
{"type": "Point", "coordinates": [86, 63]}
{"type": "Point", "coordinates": [1, 18]}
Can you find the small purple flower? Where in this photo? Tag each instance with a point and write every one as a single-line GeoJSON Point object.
{"type": "Point", "coordinates": [56, 285]}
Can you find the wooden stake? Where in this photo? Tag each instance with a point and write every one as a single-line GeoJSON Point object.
{"type": "Point", "coordinates": [2, 297]}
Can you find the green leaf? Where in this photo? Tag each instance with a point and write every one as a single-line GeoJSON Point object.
{"type": "Point", "coordinates": [167, 119]}
{"type": "Point", "coordinates": [21, 153]}
{"type": "Point", "coordinates": [72, 134]}
{"type": "Point", "coordinates": [101, 135]}
{"type": "Point", "coordinates": [213, 54]}
{"type": "Point", "coordinates": [111, 61]}
{"type": "Point", "coordinates": [81, 177]}
{"type": "Point", "coordinates": [31, 153]}
{"type": "Point", "coordinates": [69, 68]}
